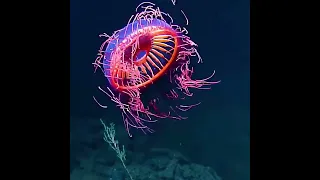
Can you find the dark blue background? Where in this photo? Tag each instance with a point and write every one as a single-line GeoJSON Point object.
{"type": "Point", "coordinates": [217, 133]}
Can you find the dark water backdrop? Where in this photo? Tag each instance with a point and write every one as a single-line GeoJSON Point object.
{"type": "Point", "coordinates": [217, 133]}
